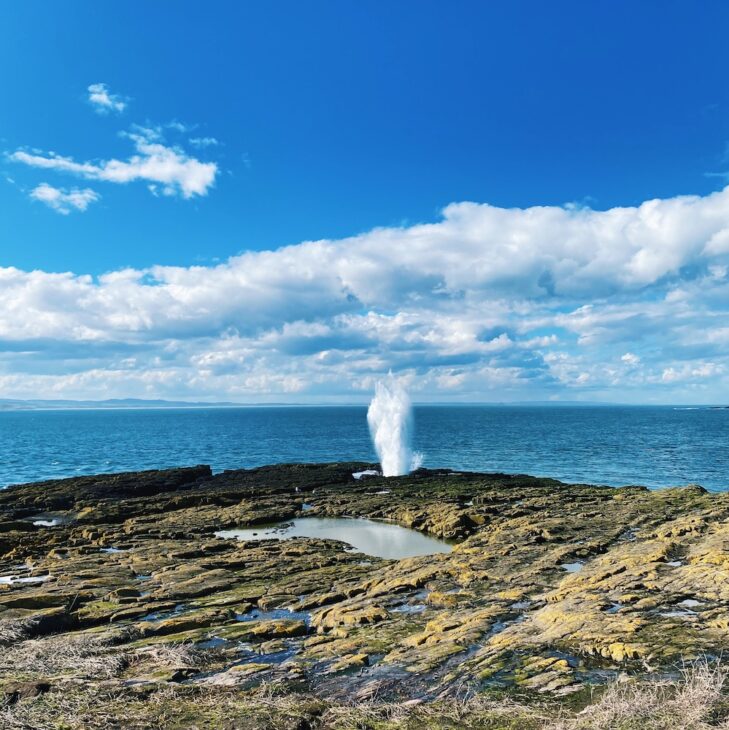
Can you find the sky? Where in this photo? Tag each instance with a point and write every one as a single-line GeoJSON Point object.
{"type": "Point", "coordinates": [284, 201]}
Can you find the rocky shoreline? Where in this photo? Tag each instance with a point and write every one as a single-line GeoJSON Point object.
{"type": "Point", "coordinates": [119, 607]}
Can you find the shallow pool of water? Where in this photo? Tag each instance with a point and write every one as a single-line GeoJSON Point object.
{"type": "Point", "coordinates": [572, 567]}
{"type": "Point", "coordinates": [10, 579]}
{"type": "Point", "coordinates": [277, 614]}
{"type": "Point", "coordinates": [379, 539]}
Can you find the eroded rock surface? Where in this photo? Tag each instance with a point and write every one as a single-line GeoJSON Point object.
{"type": "Point", "coordinates": [549, 588]}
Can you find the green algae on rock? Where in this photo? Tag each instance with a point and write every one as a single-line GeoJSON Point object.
{"type": "Point", "coordinates": [131, 577]}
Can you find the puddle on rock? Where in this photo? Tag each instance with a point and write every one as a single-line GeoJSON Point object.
{"type": "Point", "coordinates": [678, 614]}
{"type": "Point", "coordinates": [250, 655]}
{"type": "Point", "coordinates": [11, 579]}
{"type": "Point", "coordinates": [690, 603]}
{"type": "Point", "coordinates": [276, 614]}
{"type": "Point", "coordinates": [162, 615]}
{"type": "Point", "coordinates": [49, 519]}
{"type": "Point", "coordinates": [409, 608]}
{"type": "Point", "coordinates": [214, 642]}
{"type": "Point", "coordinates": [572, 567]}
{"type": "Point", "coordinates": [379, 539]}
{"type": "Point", "coordinates": [683, 610]}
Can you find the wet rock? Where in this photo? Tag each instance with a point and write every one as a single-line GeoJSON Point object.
{"type": "Point", "coordinates": [16, 691]}
{"type": "Point", "coordinates": [262, 630]}
{"type": "Point", "coordinates": [187, 621]}
{"type": "Point", "coordinates": [349, 615]}
{"type": "Point", "coordinates": [135, 567]}
{"type": "Point", "coordinates": [349, 661]}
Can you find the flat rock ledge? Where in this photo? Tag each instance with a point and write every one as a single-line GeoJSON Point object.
{"type": "Point", "coordinates": [119, 607]}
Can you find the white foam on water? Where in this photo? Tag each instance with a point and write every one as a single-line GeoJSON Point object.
{"type": "Point", "coordinates": [366, 473]}
{"type": "Point", "coordinates": [390, 420]}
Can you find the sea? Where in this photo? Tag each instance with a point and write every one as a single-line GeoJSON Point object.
{"type": "Point", "coordinates": [611, 445]}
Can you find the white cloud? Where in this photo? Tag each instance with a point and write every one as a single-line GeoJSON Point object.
{"type": "Point", "coordinates": [203, 142]}
{"type": "Point", "coordinates": [179, 126]}
{"type": "Point", "coordinates": [155, 163]}
{"type": "Point", "coordinates": [486, 303]}
{"type": "Point", "coordinates": [692, 372]}
{"type": "Point", "coordinates": [64, 201]}
{"type": "Point", "coordinates": [105, 102]}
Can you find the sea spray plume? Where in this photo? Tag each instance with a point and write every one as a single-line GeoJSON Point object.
{"type": "Point", "coordinates": [390, 420]}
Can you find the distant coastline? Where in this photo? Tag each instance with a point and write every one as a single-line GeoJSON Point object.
{"type": "Point", "coordinates": [14, 405]}
{"type": "Point", "coordinates": [117, 404]}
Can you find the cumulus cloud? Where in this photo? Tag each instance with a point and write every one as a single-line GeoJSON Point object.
{"type": "Point", "coordinates": [103, 101]}
{"type": "Point", "coordinates": [64, 201]}
{"type": "Point", "coordinates": [156, 163]}
{"type": "Point", "coordinates": [485, 304]}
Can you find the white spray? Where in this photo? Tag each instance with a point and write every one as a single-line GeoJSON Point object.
{"type": "Point", "coordinates": [390, 420]}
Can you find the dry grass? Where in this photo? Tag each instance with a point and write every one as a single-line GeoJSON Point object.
{"type": "Point", "coordinates": [92, 655]}
{"type": "Point", "coordinates": [502, 714]}
{"type": "Point", "coordinates": [14, 630]}
{"type": "Point", "coordinates": [181, 656]}
{"type": "Point", "coordinates": [171, 708]}
{"type": "Point", "coordinates": [697, 702]}
{"type": "Point", "coordinates": [86, 655]}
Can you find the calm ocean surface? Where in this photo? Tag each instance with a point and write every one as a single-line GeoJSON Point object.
{"type": "Point", "coordinates": [655, 446]}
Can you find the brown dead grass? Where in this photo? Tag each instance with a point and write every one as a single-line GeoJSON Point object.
{"type": "Point", "coordinates": [86, 655]}
{"type": "Point", "coordinates": [698, 701]}
{"type": "Point", "coordinates": [14, 630]}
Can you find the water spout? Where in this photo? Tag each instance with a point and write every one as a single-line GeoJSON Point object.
{"type": "Point", "coordinates": [390, 420]}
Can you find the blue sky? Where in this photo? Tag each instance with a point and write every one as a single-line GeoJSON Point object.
{"type": "Point", "coordinates": [478, 177]}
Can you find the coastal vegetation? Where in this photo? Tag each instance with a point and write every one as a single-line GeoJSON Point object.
{"type": "Point", "coordinates": [558, 606]}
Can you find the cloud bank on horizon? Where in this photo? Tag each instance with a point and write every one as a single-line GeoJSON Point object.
{"type": "Point", "coordinates": [486, 304]}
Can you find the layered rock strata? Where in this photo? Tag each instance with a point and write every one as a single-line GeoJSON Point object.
{"type": "Point", "coordinates": [118, 583]}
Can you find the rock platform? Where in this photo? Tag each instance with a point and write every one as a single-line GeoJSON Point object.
{"type": "Point", "coordinates": [116, 585]}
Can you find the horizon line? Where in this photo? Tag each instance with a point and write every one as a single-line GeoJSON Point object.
{"type": "Point", "coordinates": [40, 404]}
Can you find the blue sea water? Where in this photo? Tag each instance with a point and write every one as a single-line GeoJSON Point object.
{"type": "Point", "coordinates": [654, 446]}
